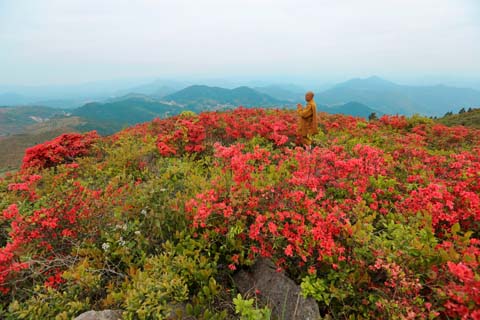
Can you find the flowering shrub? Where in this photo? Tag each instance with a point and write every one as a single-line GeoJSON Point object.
{"type": "Point", "coordinates": [61, 149]}
{"type": "Point", "coordinates": [46, 233]}
{"type": "Point", "coordinates": [271, 213]}
{"type": "Point", "coordinates": [376, 219]}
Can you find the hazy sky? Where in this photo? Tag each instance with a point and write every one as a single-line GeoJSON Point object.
{"type": "Point", "coordinates": [71, 41]}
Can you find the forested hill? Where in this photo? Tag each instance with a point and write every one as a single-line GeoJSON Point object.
{"type": "Point", "coordinates": [127, 111]}
{"type": "Point", "coordinates": [469, 118]}
{"type": "Point", "coordinates": [206, 97]}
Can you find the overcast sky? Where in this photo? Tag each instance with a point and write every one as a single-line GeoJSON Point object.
{"type": "Point", "coordinates": [72, 41]}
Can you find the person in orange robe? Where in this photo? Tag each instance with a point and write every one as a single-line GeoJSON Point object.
{"type": "Point", "coordinates": [307, 124]}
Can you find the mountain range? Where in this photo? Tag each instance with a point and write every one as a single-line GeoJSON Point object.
{"type": "Point", "coordinates": [116, 113]}
{"type": "Point", "coordinates": [201, 97]}
{"type": "Point", "coordinates": [392, 98]}
{"type": "Point", "coordinates": [22, 127]}
{"type": "Point", "coordinates": [376, 93]}
{"type": "Point", "coordinates": [25, 126]}
{"type": "Point", "coordinates": [357, 97]}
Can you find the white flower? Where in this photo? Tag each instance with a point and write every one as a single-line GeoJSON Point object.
{"type": "Point", "coordinates": [144, 212]}
{"type": "Point", "coordinates": [137, 232]}
{"type": "Point", "coordinates": [121, 241]}
{"type": "Point", "coordinates": [163, 189]}
{"type": "Point", "coordinates": [105, 246]}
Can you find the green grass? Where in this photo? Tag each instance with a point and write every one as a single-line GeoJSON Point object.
{"type": "Point", "coordinates": [468, 119]}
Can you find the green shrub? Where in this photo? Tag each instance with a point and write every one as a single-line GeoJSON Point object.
{"type": "Point", "coordinates": [248, 311]}
{"type": "Point", "coordinates": [170, 279]}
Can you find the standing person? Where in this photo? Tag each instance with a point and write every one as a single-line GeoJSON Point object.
{"type": "Point", "coordinates": [307, 124]}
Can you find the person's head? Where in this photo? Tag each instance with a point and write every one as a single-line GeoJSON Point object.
{"type": "Point", "coordinates": [309, 96]}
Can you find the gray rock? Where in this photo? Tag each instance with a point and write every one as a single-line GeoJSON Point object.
{"type": "Point", "coordinates": [101, 315]}
{"type": "Point", "coordinates": [282, 295]}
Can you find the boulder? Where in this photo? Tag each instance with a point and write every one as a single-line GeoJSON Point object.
{"type": "Point", "coordinates": [281, 293]}
{"type": "Point", "coordinates": [100, 315]}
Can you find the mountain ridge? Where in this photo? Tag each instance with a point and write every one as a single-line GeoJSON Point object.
{"type": "Point", "coordinates": [391, 98]}
{"type": "Point", "coordinates": [377, 93]}
{"type": "Point", "coordinates": [203, 97]}
{"type": "Point", "coordinates": [352, 108]}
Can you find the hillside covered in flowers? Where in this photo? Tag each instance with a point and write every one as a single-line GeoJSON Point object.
{"type": "Point", "coordinates": [376, 220]}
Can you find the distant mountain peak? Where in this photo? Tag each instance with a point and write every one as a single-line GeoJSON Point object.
{"type": "Point", "coordinates": [131, 96]}
{"type": "Point", "coordinates": [376, 78]}
{"type": "Point", "coordinates": [194, 86]}
{"type": "Point", "coordinates": [372, 82]}
{"type": "Point", "coordinates": [244, 89]}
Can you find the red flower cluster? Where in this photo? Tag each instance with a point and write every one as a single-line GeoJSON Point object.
{"type": "Point", "coordinates": [27, 186]}
{"type": "Point", "coordinates": [61, 149]}
{"type": "Point", "coordinates": [195, 134]}
{"type": "Point", "coordinates": [49, 231]}
{"type": "Point", "coordinates": [297, 215]}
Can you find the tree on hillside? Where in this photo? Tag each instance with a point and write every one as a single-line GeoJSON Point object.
{"type": "Point", "coordinates": [461, 111]}
{"type": "Point", "coordinates": [372, 116]}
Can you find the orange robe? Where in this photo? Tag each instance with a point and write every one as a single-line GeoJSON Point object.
{"type": "Point", "coordinates": [307, 124]}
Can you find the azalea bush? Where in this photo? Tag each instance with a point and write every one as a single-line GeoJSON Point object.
{"type": "Point", "coordinates": [61, 149]}
{"type": "Point", "coordinates": [377, 219]}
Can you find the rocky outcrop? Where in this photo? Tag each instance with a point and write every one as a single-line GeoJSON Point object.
{"type": "Point", "coordinates": [178, 312]}
{"type": "Point", "coordinates": [100, 315]}
{"type": "Point", "coordinates": [282, 295]}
